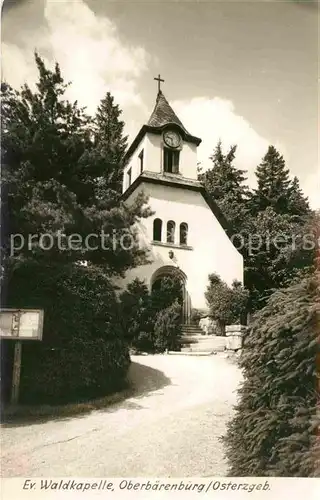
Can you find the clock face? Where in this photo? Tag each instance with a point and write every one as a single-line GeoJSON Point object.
{"type": "Point", "coordinates": [172, 139]}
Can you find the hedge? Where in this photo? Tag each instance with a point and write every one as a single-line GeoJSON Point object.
{"type": "Point", "coordinates": [83, 353]}
{"type": "Point", "coordinates": [273, 432]}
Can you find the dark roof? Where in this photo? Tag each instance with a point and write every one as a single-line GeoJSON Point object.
{"type": "Point", "coordinates": [162, 116]}
{"type": "Point", "coordinates": [184, 183]}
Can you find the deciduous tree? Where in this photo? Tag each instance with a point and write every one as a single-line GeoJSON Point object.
{"type": "Point", "coordinates": [226, 304]}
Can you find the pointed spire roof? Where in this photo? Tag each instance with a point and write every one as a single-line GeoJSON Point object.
{"type": "Point", "coordinates": [163, 114]}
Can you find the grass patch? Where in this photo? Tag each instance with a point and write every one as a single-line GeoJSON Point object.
{"type": "Point", "coordinates": [32, 413]}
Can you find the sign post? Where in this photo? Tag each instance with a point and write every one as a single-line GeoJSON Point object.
{"type": "Point", "coordinates": [16, 372]}
{"type": "Point", "coordinates": [18, 325]}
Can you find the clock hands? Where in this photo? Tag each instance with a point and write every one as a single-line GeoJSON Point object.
{"type": "Point", "coordinates": [172, 139]}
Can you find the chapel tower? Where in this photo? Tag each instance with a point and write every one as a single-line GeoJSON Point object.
{"type": "Point", "coordinates": [162, 148]}
{"type": "Point", "coordinates": [187, 235]}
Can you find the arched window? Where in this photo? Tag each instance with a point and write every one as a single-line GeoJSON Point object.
{"type": "Point", "coordinates": [183, 233]}
{"type": "Point", "coordinates": [170, 231]}
{"type": "Point", "coordinates": [157, 229]}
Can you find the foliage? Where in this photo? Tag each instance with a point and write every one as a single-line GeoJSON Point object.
{"type": "Point", "coordinates": [273, 432]}
{"type": "Point", "coordinates": [165, 291]}
{"type": "Point", "coordinates": [298, 204]}
{"type": "Point", "coordinates": [167, 328]}
{"type": "Point", "coordinates": [270, 224]}
{"type": "Point", "coordinates": [225, 184]}
{"type": "Point", "coordinates": [280, 247]}
{"type": "Point", "coordinates": [273, 183]}
{"type": "Point", "coordinates": [61, 194]}
{"type": "Point", "coordinates": [110, 141]}
{"type": "Point", "coordinates": [80, 370]}
{"type": "Point", "coordinates": [137, 316]}
{"type": "Point", "coordinates": [83, 352]}
{"type": "Point", "coordinates": [61, 181]}
{"type": "Point", "coordinates": [226, 304]}
{"type": "Point", "coordinates": [196, 315]}
{"type": "Point", "coordinates": [275, 189]}
{"type": "Point", "coordinates": [279, 219]}
{"type": "Point", "coordinates": [140, 311]}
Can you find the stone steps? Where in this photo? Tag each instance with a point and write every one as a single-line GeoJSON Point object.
{"type": "Point", "coordinates": [203, 344]}
{"type": "Point", "coordinates": [191, 327]}
{"type": "Point", "coordinates": [195, 341]}
{"type": "Point", "coordinates": [185, 352]}
{"type": "Point", "coordinates": [191, 330]}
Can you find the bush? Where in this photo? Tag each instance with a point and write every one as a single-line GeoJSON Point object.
{"type": "Point", "coordinates": [227, 304]}
{"type": "Point", "coordinates": [83, 369]}
{"type": "Point", "coordinates": [274, 429]}
{"type": "Point", "coordinates": [196, 315]}
{"type": "Point", "coordinates": [167, 328]}
{"type": "Point", "coordinates": [137, 316]}
{"type": "Point", "coordinates": [165, 292]}
{"type": "Point", "coordinates": [141, 310]}
{"type": "Point", "coordinates": [83, 353]}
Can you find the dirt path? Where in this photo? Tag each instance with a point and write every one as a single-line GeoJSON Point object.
{"type": "Point", "coordinates": [171, 427]}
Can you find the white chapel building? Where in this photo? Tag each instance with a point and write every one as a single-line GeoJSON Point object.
{"type": "Point", "coordinates": [187, 234]}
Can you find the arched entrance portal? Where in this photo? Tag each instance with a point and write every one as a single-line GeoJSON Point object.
{"type": "Point", "coordinates": [172, 271]}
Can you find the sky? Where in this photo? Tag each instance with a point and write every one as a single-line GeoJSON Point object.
{"type": "Point", "coordinates": [245, 72]}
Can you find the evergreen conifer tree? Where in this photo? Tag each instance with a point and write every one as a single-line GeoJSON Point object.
{"type": "Point", "coordinates": [61, 212]}
{"type": "Point", "coordinates": [279, 248]}
{"type": "Point", "coordinates": [273, 184]}
{"type": "Point", "coordinates": [225, 184]}
{"type": "Point", "coordinates": [53, 170]}
{"type": "Point", "coordinates": [277, 227]}
{"type": "Point", "coordinates": [298, 204]}
{"type": "Point", "coordinates": [110, 143]}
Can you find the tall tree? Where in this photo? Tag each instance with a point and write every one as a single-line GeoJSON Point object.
{"type": "Point", "coordinates": [278, 249]}
{"type": "Point", "coordinates": [272, 221]}
{"type": "Point", "coordinates": [273, 184]}
{"type": "Point", "coordinates": [58, 209]}
{"type": "Point", "coordinates": [298, 204]}
{"type": "Point", "coordinates": [280, 240]}
{"type": "Point", "coordinates": [225, 184]}
{"type": "Point", "coordinates": [54, 181]}
{"type": "Point", "coordinates": [110, 143]}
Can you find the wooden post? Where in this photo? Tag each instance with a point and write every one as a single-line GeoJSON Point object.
{"type": "Point", "coordinates": [16, 372]}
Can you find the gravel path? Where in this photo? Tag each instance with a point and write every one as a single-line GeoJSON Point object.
{"type": "Point", "coordinates": [171, 427]}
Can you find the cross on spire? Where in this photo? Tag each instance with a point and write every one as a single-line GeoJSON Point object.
{"type": "Point", "coordinates": [159, 80]}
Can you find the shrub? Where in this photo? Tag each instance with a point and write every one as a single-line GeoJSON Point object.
{"type": "Point", "coordinates": [165, 292]}
{"type": "Point", "coordinates": [168, 328]}
{"type": "Point", "coordinates": [83, 352]}
{"type": "Point", "coordinates": [226, 304]}
{"type": "Point", "coordinates": [81, 370]}
{"type": "Point", "coordinates": [196, 315]}
{"type": "Point", "coordinates": [273, 432]}
{"type": "Point", "coordinates": [137, 316]}
{"type": "Point", "coordinates": [140, 311]}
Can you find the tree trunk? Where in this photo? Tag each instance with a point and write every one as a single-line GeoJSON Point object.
{"type": "Point", "coordinates": [221, 328]}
